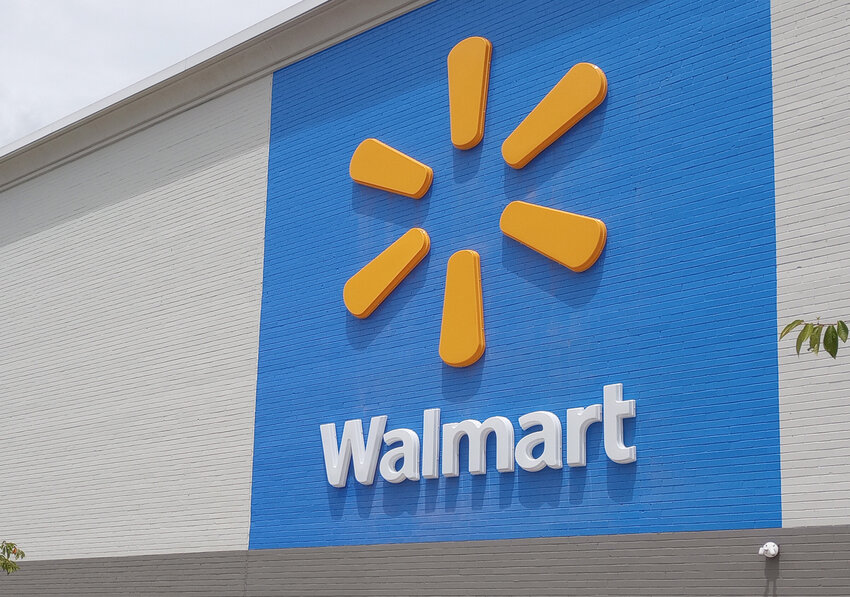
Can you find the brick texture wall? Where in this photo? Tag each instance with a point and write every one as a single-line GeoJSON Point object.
{"type": "Point", "coordinates": [129, 349]}
{"type": "Point", "coordinates": [811, 79]}
{"type": "Point", "coordinates": [128, 339]}
{"type": "Point", "coordinates": [678, 162]}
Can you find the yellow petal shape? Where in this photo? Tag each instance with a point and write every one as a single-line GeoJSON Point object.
{"type": "Point", "coordinates": [571, 99]}
{"type": "Point", "coordinates": [572, 240]}
{"type": "Point", "coordinates": [378, 165]}
{"type": "Point", "coordinates": [368, 288]}
{"type": "Point", "coordinates": [462, 332]}
{"type": "Point", "coordinates": [469, 78]}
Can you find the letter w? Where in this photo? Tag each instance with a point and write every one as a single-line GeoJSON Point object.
{"type": "Point", "coordinates": [365, 456]}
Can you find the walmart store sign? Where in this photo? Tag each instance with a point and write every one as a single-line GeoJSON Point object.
{"type": "Point", "coordinates": [409, 458]}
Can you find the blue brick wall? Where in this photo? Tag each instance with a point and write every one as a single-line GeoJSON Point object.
{"type": "Point", "coordinates": [680, 308]}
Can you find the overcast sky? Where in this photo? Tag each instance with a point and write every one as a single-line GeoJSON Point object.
{"type": "Point", "coordinates": [57, 56]}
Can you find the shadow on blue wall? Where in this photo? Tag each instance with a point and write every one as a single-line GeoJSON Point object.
{"type": "Point", "coordinates": [571, 288]}
{"type": "Point", "coordinates": [362, 332]}
{"type": "Point", "coordinates": [391, 208]}
{"type": "Point", "coordinates": [462, 384]}
{"type": "Point", "coordinates": [525, 183]}
{"type": "Point", "coordinates": [466, 163]}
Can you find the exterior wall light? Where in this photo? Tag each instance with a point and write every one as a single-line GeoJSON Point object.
{"type": "Point", "coordinates": [769, 550]}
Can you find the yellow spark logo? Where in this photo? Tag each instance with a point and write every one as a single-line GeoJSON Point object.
{"type": "Point", "coordinates": [573, 240]}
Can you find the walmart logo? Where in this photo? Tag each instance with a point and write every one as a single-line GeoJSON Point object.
{"type": "Point", "coordinates": [575, 241]}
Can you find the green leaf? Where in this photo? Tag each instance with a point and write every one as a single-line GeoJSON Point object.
{"type": "Point", "coordinates": [830, 341]}
{"type": "Point", "coordinates": [842, 331]}
{"type": "Point", "coordinates": [790, 327]}
{"type": "Point", "coordinates": [814, 339]}
{"type": "Point", "coordinates": [804, 335]}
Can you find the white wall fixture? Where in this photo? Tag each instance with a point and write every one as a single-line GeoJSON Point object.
{"type": "Point", "coordinates": [407, 453]}
{"type": "Point", "coordinates": [769, 550]}
{"type": "Point", "coordinates": [578, 420]}
{"type": "Point", "coordinates": [616, 409]}
{"type": "Point", "coordinates": [549, 436]}
{"type": "Point", "coordinates": [476, 434]}
{"type": "Point", "coordinates": [352, 447]}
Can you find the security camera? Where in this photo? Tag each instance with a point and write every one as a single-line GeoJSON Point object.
{"type": "Point", "coordinates": [769, 550]}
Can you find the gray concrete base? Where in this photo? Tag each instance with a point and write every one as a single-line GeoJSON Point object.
{"type": "Point", "coordinates": [813, 562]}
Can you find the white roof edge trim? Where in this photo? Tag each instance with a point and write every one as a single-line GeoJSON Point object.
{"type": "Point", "coordinates": [246, 35]}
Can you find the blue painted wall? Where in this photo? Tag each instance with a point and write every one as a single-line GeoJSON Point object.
{"type": "Point", "coordinates": [680, 308]}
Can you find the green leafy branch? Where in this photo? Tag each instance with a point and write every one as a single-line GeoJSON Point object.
{"type": "Point", "coordinates": [9, 554]}
{"type": "Point", "coordinates": [813, 333]}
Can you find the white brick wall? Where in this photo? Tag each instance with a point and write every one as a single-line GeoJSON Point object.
{"type": "Point", "coordinates": [131, 282]}
{"type": "Point", "coordinates": [811, 75]}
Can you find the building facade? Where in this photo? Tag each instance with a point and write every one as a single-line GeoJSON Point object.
{"type": "Point", "coordinates": [231, 365]}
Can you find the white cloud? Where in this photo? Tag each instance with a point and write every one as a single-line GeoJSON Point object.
{"type": "Point", "coordinates": [57, 56]}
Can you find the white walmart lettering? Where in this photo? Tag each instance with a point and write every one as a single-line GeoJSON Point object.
{"type": "Point", "coordinates": [404, 444]}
